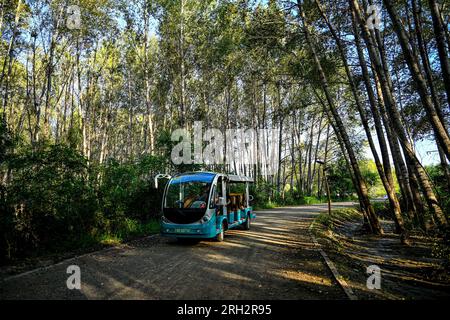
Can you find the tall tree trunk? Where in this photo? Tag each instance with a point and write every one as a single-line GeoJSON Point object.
{"type": "Point", "coordinates": [280, 137]}
{"type": "Point", "coordinates": [292, 152]}
{"type": "Point", "coordinates": [395, 116]}
{"type": "Point", "coordinates": [440, 132]}
{"type": "Point", "coordinates": [149, 143]}
{"type": "Point", "coordinates": [373, 219]}
{"type": "Point", "coordinates": [445, 167]}
{"type": "Point", "coordinates": [388, 185]}
{"type": "Point", "coordinates": [429, 76]}
{"type": "Point", "coordinates": [349, 167]}
{"type": "Point", "coordinates": [325, 161]}
{"type": "Point", "coordinates": [130, 120]}
{"type": "Point", "coordinates": [8, 59]}
{"type": "Point", "coordinates": [280, 144]}
{"type": "Point", "coordinates": [309, 159]}
{"type": "Point", "coordinates": [316, 151]}
{"type": "Point", "coordinates": [412, 207]}
{"type": "Point", "coordinates": [182, 119]}
{"type": "Point", "coordinates": [439, 34]}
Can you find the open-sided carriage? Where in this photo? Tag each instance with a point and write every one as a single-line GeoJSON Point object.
{"type": "Point", "coordinates": [205, 205]}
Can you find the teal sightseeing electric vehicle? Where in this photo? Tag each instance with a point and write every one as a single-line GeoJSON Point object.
{"type": "Point", "coordinates": [202, 205]}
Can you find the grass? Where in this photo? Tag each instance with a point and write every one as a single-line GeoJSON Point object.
{"type": "Point", "coordinates": [312, 200]}
{"type": "Point", "coordinates": [324, 219]}
{"type": "Point", "coordinates": [327, 221]}
{"type": "Point", "coordinates": [263, 203]}
{"type": "Point", "coordinates": [266, 205]}
{"type": "Point", "coordinates": [325, 225]}
{"type": "Point", "coordinates": [305, 200]}
{"type": "Point", "coordinates": [129, 229]}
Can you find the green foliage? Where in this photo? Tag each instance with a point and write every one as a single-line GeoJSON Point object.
{"type": "Point", "coordinates": [373, 181]}
{"type": "Point", "coordinates": [54, 201]}
{"type": "Point", "coordinates": [340, 181]}
{"type": "Point", "coordinates": [127, 189]}
{"type": "Point", "coordinates": [441, 250]}
{"type": "Point", "coordinates": [324, 219]}
{"type": "Point", "coordinates": [341, 184]}
{"type": "Point", "coordinates": [441, 185]}
{"type": "Point", "coordinates": [49, 199]}
{"type": "Point", "coordinates": [339, 215]}
{"type": "Point", "coordinates": [5, 139]}
{"type": "Point", "coordinates": [130, 228]}
{"type": "Point", "coordinates": [383, 209]}
{"type": "Point", "coordinates": [261, 193]}
{"type": "Point", "coordinates": [263, 199]}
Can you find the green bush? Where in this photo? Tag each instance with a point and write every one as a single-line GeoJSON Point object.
{"type": "Point", "coordinates": [54, 201]}
{"type": "Point", "coordinates": [441, 186]}
{"type": "Point", "coordinates": [383, 210]}
{"type": "Point", "coordinates": [49, 199]}
{"type": "Point", "coordinates": [127, 189]}
{"type": "Point", "coordinates": [263, 199]}
{"type": "Point", "coordinates": [324, 219]}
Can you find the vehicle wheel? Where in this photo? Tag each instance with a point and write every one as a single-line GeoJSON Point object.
{"type": "Point", "coordinates": [220, 236]}
{"type": "Point", "coordinates": [247, 223]}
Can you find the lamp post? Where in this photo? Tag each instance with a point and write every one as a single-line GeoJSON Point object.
{"type": "Point", "coordinates": [325, 177]}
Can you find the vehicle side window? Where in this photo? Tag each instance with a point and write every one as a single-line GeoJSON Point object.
{"type": "Point", "coordinates": [214, 198]}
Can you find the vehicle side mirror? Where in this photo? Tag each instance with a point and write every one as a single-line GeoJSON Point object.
{"type": "Point", "coordinates": [250, 198]}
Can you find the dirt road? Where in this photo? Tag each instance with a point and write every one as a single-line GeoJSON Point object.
{"type": "Point", "coordinates": [274, 260]}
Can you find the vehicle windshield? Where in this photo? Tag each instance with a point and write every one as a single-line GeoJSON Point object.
{"type": "Point", "coordinates": [188, 192]}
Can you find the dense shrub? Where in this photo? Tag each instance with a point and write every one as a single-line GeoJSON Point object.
{"type": "Point", "coordinates": [128, 189]}
{"type": "Point", "coordinates": [48, 201]}
{"type": "Point", "coordinates": [54, 201]}
{"type": "Point", "coordinates": [383, 210]}
{"type": "Point", "coordinates": [441, 186]}
{"type": "Point", "coordinates": [263, 192]}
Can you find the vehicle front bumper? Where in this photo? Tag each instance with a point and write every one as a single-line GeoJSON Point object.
{"type": "Point", "coordinates": [193, 230]}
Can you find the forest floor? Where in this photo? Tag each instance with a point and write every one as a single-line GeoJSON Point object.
{"type": "Point", "coordinates": [407, 272]}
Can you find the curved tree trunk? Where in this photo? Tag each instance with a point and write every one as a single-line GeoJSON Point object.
{"type": "Point", "coordinates": [373, 219]}
{"type": "Point", "coordinates": [440, 132]}
{"type": "Point", "coordinates": [413, 203]}
{"type": "Point", "coordinates": [388, 185]}
{"type": "Point", "coordinates": [346, 158]}
{"type": "Point", "coordinates": [439, 34]}
{"type": "Point", "coordinates": [396, 119]}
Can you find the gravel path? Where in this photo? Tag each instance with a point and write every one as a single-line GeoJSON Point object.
{"type": "Point", "coordinates": [276, 259]}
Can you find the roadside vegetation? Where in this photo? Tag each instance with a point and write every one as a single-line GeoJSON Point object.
{"type": "Point", "coordinates": [417, 271]}
{"type": "Point", "coordinates": [87, 109]}
{"type": "Point", "coordinates": [55, 201]}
